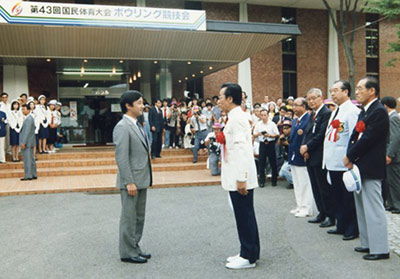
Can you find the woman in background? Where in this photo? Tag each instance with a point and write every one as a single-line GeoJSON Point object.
{"type": "Point", "coordinates": [15, 121]}
{"type": "Point", "coordinates": [44, 117]}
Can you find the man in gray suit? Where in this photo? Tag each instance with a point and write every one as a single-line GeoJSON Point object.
{"type": "Point", "coordinates": [27, 141]}
{"type": "Point", "coordinates": [132, 153]}
{"type": "Point", "coordinates": [393, 155]}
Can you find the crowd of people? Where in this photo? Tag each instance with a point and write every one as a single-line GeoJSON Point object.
{"type": "Point", "coordinates": [46, 118]}
{"type": "Point", "coordinates": [312, 143]}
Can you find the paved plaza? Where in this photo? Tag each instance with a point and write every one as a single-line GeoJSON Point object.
{"type": "Point", "coordinates": [189, 231]}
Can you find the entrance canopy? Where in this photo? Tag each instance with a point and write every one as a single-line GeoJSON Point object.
{"type": "Point", "coordinates": [223, 42]}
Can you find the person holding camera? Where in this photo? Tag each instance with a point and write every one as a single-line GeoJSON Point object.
{"type": "Point", "coordinates": [171, 125]}
{"type": "Point", "coordinates": [267, 133]}
{"type": "Point", "coordinates": [199, 124]}
{"type": "Point", "coordinates": [214, 149]}
{"type": "Point", "coordinates": [283, 142]}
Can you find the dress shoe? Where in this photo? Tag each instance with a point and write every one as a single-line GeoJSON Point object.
{"type": "Point", "coordinates": [138, 260]}
{"type": "Point", "coordinates": [34, 178]}
{"type": "Point", "coordinates": [361, 250]}
{"type": "Point", "coordinates": [158, 156]}
{"type": "Point", "coordinates": [294, 211]}
{"type": "Point", "coordinates": [290, 186]}
{"type": "Point", "coordinates": [274, 184]}
{"type": "Point", "coordinates": [396, 211]}
{"type": "Point", "coordinates": [240, 263]}
{"type": "Point", "coordinates": [25, 179]}
{"type": "Point", "coordinates": [233, 258]}
{"type": "Point", "coordinates": [145, 255]}
{"type": "Point", "coordinates": [316, 220]}
{"type": "Point", "coordinates": [375, 257]}
{"type": "Point", "coordinates": [349, 237]}
{"type": "Point", "coordinates": [329, 222]}
{"type": "Point", "coordinates": [261, 184]}
{"type": "Point", "coordinates": [334, 231]}
{"type": "Point", "coordinates": [389, 208]}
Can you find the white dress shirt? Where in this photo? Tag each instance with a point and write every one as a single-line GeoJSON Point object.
{"type": "Point", "coordinates": [269, 127]}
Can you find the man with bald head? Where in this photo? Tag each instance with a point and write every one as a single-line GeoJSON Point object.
{"type": "Point", "coordinates": [301, 181]}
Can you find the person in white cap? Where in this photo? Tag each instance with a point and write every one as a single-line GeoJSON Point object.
{"type": "Point", "coordinates": [15, 121]}
{"type": "Point", "coordinates": [44, 117]}
{"type": "Point", "coordinates": [54, 123]}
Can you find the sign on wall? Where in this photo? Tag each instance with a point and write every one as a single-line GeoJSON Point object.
{"type": "Point", "coordinates": [73, 110]}
{"type": "Point", "coordinates": [42, 13]}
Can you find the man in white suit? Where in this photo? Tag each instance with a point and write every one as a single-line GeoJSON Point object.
{"type": "Point", "coordinates": [239, 176]}
{"type": "Point", "coordinates": [340, 126]}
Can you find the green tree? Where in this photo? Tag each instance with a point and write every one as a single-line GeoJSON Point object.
{"type": "Point", "coordinates": [345, 27]}
{"type": "Point", "coordinates": [388, 9]}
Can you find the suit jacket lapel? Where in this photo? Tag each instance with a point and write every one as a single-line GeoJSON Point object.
{"type": "Point", "coordinates": [138, 133]}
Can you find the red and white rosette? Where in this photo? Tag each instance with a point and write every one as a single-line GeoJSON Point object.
{"type": "Point", "coordinates": [335, 127]}
{"type": "Point", "coordinates": [360, 128]}
{"type": "Point", "coordinates": [220, 137]}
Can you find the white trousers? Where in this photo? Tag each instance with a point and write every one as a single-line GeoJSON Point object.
{"type": "Point", "coordinates": [303, 191]}
{"type": "Point", "coordinates": [2, 150]}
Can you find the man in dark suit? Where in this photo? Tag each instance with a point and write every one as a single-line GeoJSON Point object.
{"type": "Point", "coordinates": [367, 150]}
{"type": "Point", "coordinates": [312, 150]}
{"type": "Point", "coordinates": [156, 125]}
{"type": "Point", "coordinates": [301, 181]}
{"type": "Point", "coordinates": [393, 155]}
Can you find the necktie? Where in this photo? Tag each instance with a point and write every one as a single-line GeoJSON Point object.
{"type": "Point", "coordinates": [141, 130]}
{"type": "Point", "coordinates": [297, 122]}
{"type": "Point", "coordinates": [313, 116]}
{"type": "Point", "coordinates": [165, 113]}
{"type": "Point", "coordinates": [336, 113]}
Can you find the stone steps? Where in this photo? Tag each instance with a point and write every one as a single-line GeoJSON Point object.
{"type": "Point", "coordinates": [94, 170]}
{"type": "Point", "coordinates": [48, 162]}
{"type": "Point", "coordinates": [106, 169]}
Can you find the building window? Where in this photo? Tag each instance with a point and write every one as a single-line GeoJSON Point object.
{"type": "Point", "coordinates": [372, 44]}
{"type": "Point", "coordinates": [289, 58]}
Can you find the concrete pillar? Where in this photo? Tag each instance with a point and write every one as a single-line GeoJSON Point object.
{"type": "Point", "coordinates": [165, 81]}
{"type": "Point", "coordinates": [333, 56]}
{"type": "Point", "coordinates": [145, 81]}
{"type": "Point", "coordinates": [15, 81]}
{"type": "Point", "coordinates": [244, 67]}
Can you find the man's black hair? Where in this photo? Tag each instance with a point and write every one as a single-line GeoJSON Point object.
{"type": "Point", "coordinates": [129, 97]}
{"type": "Point", "coordinates": [283, 108]}
{"type": "Point", "coordinates": [372, 82]}
{"type": "Point", "coordinates": [26, 106]}
{"type": "Point", "coordinates": [4, 94]}
{"type": "Point", "coordinates": [234, 91]}
{"type": "Point", "coordinates": [345, 86]}
{"type": "Point", "coordinates": [389, 101]}
{"type": "Point", "coordinates": [23, 94]}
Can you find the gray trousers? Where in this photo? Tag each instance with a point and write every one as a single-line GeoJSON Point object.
{"type": "Point", "coordinates": [29, 163]}
{"type": "Point", "coordinates": [131, 223]}
{"type": "Point", "coordinates": [371, 217]}
{"type": "Point", "coordinates": [393, 184]}
{"type": "Point", "coordinates": [213, 161]}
